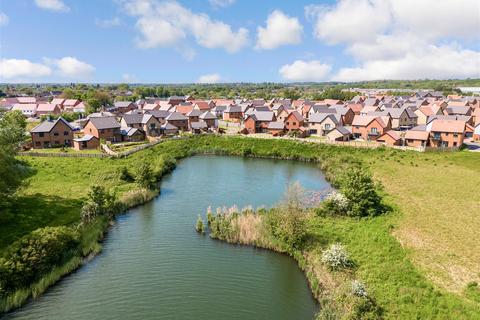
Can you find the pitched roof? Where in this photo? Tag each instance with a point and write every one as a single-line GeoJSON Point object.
{"type": "Point", "coordinates": [46, 107]}
{"type": "Point", "coordinates": [57, 101]}
{"type": "Point", "coordinates": [207, 115]}
{"type": "Point", "coordinates": [297, 115]}
{"type": "Point", "coordinates": [264, 116]}
{"type": "Point", "coordinates": [48, 125]}
{"type": "Point", "coordinates": [159, 114]}
{"type": "Point", "coordinates": [320, 117]}
{"type": "Point", "coordinates": [122, 104]}
{"type": "Point", "coordinates": [194, 113]}
{"type": "Point", "coordinates": [85, 138]}
{"type": "Point", "coordinates": [416, 135]}
{"type": "Point", "coordinates": [343, 130]}
{"type": "Point", "coordinates": [176, 116]}
{"type": "Point", "coordinates": [453, 126]}
{"type": "Point", "coordinates": [394, 135]}
{"type": "Point", "coordinates": [27, 100]}
{"type": "Point", "coordinates": [199, 125]}
{"type": "Point", "coordinates": [104, 122]}
{"type": "Point", "coordinates": [276, 125]}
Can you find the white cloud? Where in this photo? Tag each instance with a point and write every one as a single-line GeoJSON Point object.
{"type": "Point", "coordinates": [108, 23]}
{"type": "Point", "coordinates": [3, 19]}
{"type": "Point", "coordinates": [305, 71]}
{"type": "Point", "coordinates": [22, 69]}
{"type": "Point", "coordinates": [280, 30]}
{"type": "Point", "coordinates": [429, 62]}
{"type": "Point", "coordinates": [209, 78]}
{"type": "Point", "coordinates": [73, 68]}
{"type": "Point", "coordinates": [349, 20]}
{"type": "Point", "coordinates": [389, 40]}
{"type": "Point", "coordinates": [221, 3]}
{"type": "Point", "coordinates": [54, 5]}
{"type": "Point", "coordinates": [166, 23]}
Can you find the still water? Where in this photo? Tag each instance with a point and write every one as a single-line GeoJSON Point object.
{"type": "Point", "coordinates": [155, 266]}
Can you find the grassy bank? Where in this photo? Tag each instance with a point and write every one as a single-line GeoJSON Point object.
{"type": "Point", "coordinates": [434, 196]}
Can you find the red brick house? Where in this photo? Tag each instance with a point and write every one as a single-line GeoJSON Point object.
{"type": "Point", "coordinates": [446, 133]}
{"type": "Point", "coordinates": [178, 120]}
{"type": "Point", "coordinates": [106, 128]}
{"type": "Point", "coordinates": [416, 138]}
{"type": "Point", "coordinates": [370, 127]}
{"type": "Point", "coordinates": [52, 133]}
{"type": "Point", "coordinates": [390, 138]}
{"type": "Point", "coordinates": [48, 108]}
{"type": "Point", "coordinates": [257, 122]}
{"type": "Point", "coordinates": [86, 142]}
{"type": "Point", "coordinates": [294, 122]}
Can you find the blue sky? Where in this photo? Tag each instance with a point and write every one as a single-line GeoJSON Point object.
{"type": "Point", "coordinates": [220, 40]}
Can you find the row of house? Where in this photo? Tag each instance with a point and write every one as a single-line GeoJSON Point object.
{"type": "Point", "coordinates": [411, 121]}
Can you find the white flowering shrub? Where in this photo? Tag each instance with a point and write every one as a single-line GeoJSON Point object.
{"type": "Point", "coordinates": [336, 257]}
{"type": "Point", "coordinates": [358, 289]}
{"type": "Point", "coordinates": [340, 201]}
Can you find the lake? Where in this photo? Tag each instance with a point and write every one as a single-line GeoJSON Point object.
{"type": "Point", "coordinates": [155, 266]}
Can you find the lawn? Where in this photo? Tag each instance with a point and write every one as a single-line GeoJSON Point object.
{"type": "Point", "coordinates": [66, 150]}
{"type": "Point", "coordinates": [436, 198]}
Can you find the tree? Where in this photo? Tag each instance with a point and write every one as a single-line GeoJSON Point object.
{"type": "Point", "coordinates": [360, 190]}
{"type": "Point", "coordinates": [12, 131]}
{"type": "Point", "coordinates": [12, 171]}
{"type": "Point", "coordinates": [93, 105]}
{"type": "Point", "coordinates": [144, 176]}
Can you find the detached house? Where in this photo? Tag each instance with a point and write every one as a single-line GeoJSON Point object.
{"type": "Point", "coordinates": [145, 122]}
{"type": "Point", "coordinates": [233, 113]}
{"type": "Point", "coordinates": [446, 133]}
{"type": "Point", "coordinates": [52, 133]}
{"type": "Point", "coordinates": [257, 122]}
{"type": "Point", "coordinates": [178, 120]}
{"type": "Point", "coordinates": [391, 138]}
{"type": "Point", "coordinates": [370, 127]}
{"type": "Point", "coordinates": [106, 128]}
{"type": "Point", "coordinates": [210, 119]}
{"type": "Point", "coordinates": [48, 108]}
{"type": "Point", "coordinates": [322, 123]}
{"type": "Point", "coordinates": [121, 107]}
{"type": "Point", "coordinates": [294, 122]}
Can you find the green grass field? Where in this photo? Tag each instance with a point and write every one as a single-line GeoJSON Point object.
{"type": "Point", "coordinates": [417, 260]}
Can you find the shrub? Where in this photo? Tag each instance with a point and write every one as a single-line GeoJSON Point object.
{"type": "Point", "coordinates": [99, 202]}
{"type": "Point", "coordinates": [288, 223]}
{"type": "Point", "coordinates": [336, 257]}
{"type": "Point", "coordinates": [144, 176]}
{"type": "Point", "coordinates": [30, 257]}
{"type": "Point", "coordinates": [360, 190]}
{"type": "Point", "coordinates": [358, 289]}
{"type": "Point", "coordinates": [200, 225]}
{"type": "Point", "coordinates": [335, 204]}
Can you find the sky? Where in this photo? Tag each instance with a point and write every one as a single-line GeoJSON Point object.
{"type": "Point", "coordinates": [220, 41]}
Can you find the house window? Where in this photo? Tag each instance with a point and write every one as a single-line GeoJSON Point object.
{"type": "Point", "coordinates": [294, 123]}
{"type": "Point", "coordinates": [327, 126]}
{"type": "Point", "coordinates": [446, 134]}
{"type": "Point", "coordinates": [374, 131]}
{"type": "Point", "coordinates": [102, 131]}
{"type": "Point", "coordinates": [436, 135]}
{"type": "Point", "coordinates": [37, 143]}
{"type": "Point", "coordinates": [455, 135]}
{"type": "Point", "coordinates": [288, 123]}
{"type": "Point", "coordinates": [55, 134]}
{"type": "Point", "coordinates": [65, 133]}
{"type": "Point", "coordinates": [454, 144]}
{"type": "Point", "coordinates": [41, 134]}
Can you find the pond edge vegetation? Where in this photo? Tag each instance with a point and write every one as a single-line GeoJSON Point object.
{"type": "Point", "coordinates": [161, 159]}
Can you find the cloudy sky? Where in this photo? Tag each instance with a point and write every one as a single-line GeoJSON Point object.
{"type": "Point", "coordinates": [210, 41]}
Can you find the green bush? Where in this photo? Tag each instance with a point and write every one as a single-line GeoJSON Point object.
{"type": "Point", "coordinates": [200, 225]}
{"type": "Point", "coordinates": [144, 176]}
{"type": "Point", "coordinates": [125, 175]}
{"type": "Point", "coordinates": [34, 255]}
{"type": "Point", "coordinates": [99, 202]}
{"type": "Point", "coordinates": [360, 190]}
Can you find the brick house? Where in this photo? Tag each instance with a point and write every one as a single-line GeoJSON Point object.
{"type": "Point", "coordinates": [178, 120]}
{"type": "Point", "coordinates": [390, 138]}
{"type": "Point", "coordinates": [48, 108]}
{"type": "Point", "coordinates": [106, 128]}
{"type": "Point", "coordinates": [145, 122]}
{"type": "Point", "coordinates": [294, 121]}
{"type": "Point", "coordinates": [370, 127]}
{"type": "Point", "coordinates": [121, 107]}
{"type": "Point", "coordinates": [416, 138]}
{"type": "Point", "coordinates": [233, 113]}
{"type": "Point", "coordinates": [52, 133]}
{"type": "Point", "coordinates": [210, 119]}
{"type": "Point", "coordinates": [446, 133]}
{"type": "Point", "coordinates": [322, 123]}
{"type": "Point", "coordinates": [86, 142]}
{"type": "Point", "coordinates": [257, 122]}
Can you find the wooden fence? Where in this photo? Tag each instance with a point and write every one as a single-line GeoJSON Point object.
{"type": "Point", "coordinates": [64, 155]}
